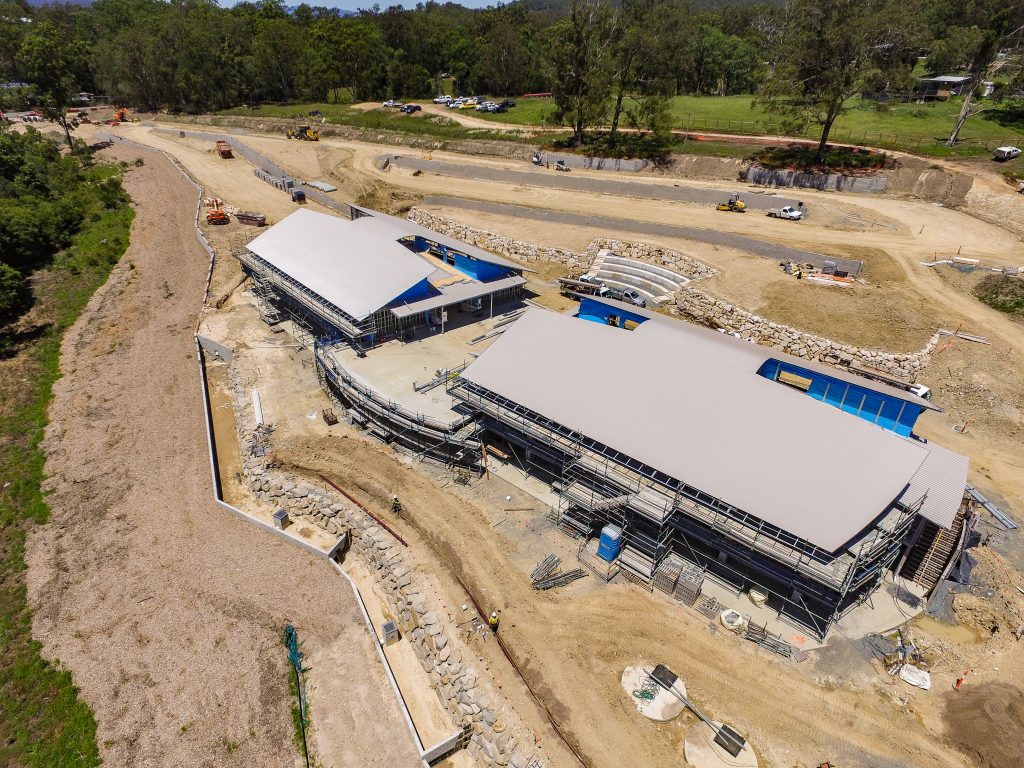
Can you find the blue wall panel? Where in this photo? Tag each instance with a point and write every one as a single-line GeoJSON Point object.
{"type": "Point", "coordinates": [598, 312]}
{"type": "Point", "coordinates": [421, 290]}
{"type": "Point", "coordinates": [887, 411]}
{"type": "Point", "coordinates": [480, 270]}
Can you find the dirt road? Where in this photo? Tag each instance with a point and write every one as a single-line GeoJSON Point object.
{"type": "Point", "coordinates": [168, 611]}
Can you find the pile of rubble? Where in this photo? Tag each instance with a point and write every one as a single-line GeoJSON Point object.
{"type": "Point", "coordinates": [708, 310]}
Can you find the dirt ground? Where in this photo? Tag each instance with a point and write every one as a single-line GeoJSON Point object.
{"type": "Point", "coordinates": [574, 643]}
{"type": "Point", "coordinates": [167, 610]}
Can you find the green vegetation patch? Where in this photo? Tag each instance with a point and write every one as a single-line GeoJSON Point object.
{"type": "Point", "coordinates": [42, 720]}
{"type": "Point", "coordinates": [1002, 292]}
{"type": "Point", "coordinates": [804, 157]}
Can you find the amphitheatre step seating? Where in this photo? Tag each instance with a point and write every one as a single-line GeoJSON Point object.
{"type": "Point", "coordinates": [653, 281]}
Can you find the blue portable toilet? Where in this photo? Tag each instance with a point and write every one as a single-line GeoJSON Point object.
{"type": "Point", "coordinates": [610, 544]}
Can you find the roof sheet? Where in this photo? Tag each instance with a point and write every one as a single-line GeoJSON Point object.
{"type": "Point", "coordinates": [729, 349]}
{"type": "Point", "coordinates": [456, 293]}
{"type": "Point", "coordinates": [943, 477]}
{"type": "Point", "coordinates": [768, 450]}
{"type": "Point", "coordinates": [405, 228]}
{"type": "Point", "coordinates": [354, 268]}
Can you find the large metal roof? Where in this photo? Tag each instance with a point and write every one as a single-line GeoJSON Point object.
{"type": "Point", "coordinates": [399, 227]}
{"type": "Point", "coordinates": [352, 267]}
{"type": "Point", "coordinates": [728, 348]}
{"type": "Point", "coordinates": [941, 480]}
{"type": "Point", "coordinates": [684, 407]}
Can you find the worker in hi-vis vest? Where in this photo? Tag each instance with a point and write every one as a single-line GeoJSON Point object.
{"type": "Point", "coordinates": [493, 620]}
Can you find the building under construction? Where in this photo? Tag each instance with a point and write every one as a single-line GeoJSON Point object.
{"type": "Point", "coordinates": [764, 470]}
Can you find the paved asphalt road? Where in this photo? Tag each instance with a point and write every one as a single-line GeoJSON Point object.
{"type": "Point", "coordinates": [556, 180]}
{"type": "Point", "coordinates": [761, 248]}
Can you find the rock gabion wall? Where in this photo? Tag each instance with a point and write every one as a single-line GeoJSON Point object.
{"type": "Point", "coordinates": [524, 251]}
{"type": "Point", "coordinates": [443, 655]}
{"type": "Point", "coordinates": [708, 310]}
{"type": "Point", "coordinates": [653, 254]}
{"type": "Point", "coordinates": [500, 244]}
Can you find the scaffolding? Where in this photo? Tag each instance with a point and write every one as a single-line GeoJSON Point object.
{"type": "Point", "coordinates": [660, 515]}
{"type": "Point", "coordinates": [453, 442]}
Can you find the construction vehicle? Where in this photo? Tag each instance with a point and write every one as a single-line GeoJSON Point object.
{"type": "Point", "coordinates": [123, 115]}
{"type": "Point", "coordinates": [303, 133]}
{"type": "Point", "coordinates": [561, 165]}
{"type": "Point", "coordinates": [224, 150]}
{"type": "Point", "coordinates": [734, 204]}
{"type": "Point", "coordinates": [786, 212]}
{"type": "Point", "coordinates": [252, 218]}
{"type": "Point", "coordinates": [217, 216]}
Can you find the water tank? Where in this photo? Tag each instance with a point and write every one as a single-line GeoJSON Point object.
{"type": "Point", "coordinates": [610, 543]}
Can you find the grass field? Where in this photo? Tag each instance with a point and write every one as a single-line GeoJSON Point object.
{"type": "Point", "coordinates": [42, 721]}
{"type": "Point", "coordinates": [918, 127]}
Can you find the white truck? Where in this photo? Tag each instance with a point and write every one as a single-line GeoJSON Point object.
{"type": "Point", "coordinates": [786, 212]}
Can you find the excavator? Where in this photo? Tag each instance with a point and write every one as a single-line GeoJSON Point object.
{"type": "Point", "coordinates": [303, 133]}
{"type": "Point", "coordinates": [217, 215]}
{"type": "Point", "coordinates": [123, 115]}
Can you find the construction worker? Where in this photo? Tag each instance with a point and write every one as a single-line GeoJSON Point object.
{"type": "Point", "coordinates": [396, 505]}
{"type": "Point", "coordinates": [493, 621]}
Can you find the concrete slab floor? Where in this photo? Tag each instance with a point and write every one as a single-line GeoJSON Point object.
{"type": "Point", "coordinates": [395, 367]}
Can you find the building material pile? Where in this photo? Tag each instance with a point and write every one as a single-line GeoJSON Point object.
{"type": "Point", "coordinates": [546, 576]}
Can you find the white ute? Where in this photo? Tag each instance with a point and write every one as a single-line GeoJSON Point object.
{"type": "Point", "coordinates": [786, 212]}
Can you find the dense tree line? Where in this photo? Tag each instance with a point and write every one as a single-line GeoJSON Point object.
{"type": "Point", "coordinates": [47, 197]}
{"type": "Point", "coordinates": [614, 61]}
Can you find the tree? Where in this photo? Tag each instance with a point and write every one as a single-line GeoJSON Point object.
{"type": "Point", "coordinates": [45, 59]}
{"type": "Point", "coordinates": [637, 65]}
{"type": "Point", "coordinates": [580, 58]}
{"type": "Point", "coordinates": [975, 48]}
{"type": "Point", "coordinates": [829, 47]}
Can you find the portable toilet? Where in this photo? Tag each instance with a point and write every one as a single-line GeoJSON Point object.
{"type": "Point", "coordinates": [610, 543]}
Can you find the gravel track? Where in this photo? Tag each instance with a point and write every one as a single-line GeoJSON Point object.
{"type": "Point", "coordinates": [168, 611]}
{"type": "Point", "coordinates": [552, 180]}
{"type": "Point", "coordinates": [726, 239]}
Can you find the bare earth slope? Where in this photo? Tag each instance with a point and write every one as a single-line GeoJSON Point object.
{"type": "Point", "coordinates": [168, 610]}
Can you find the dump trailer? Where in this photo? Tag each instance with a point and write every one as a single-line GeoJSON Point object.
{"type": "Point", "coordinates": [252, 218]}
{"type": "Point", "coordinates": [224, 150]}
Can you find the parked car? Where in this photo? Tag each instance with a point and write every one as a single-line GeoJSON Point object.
{"type": "Point", "coordinates": [316, 113]}
{"type": "Point", "coordinates": [392, 103]}
{"type": "Point", "coordinates": [786, 212]}
{"type": "Point", "coordinates": [498, 108]}
{"type": "Point", "coordinates": [410, 108]}
{"type": "Point", "coordinates": [456, 103]}
{"type": "Point", "coordinates": [1005, 153]}
{"type": "Point", "coordinates": [468, 104]}
{"type": "Point", "coordinates": [507, 103]}
{"type": "Point", "coordinates": [442, 99]}
{"type": "Point", "coordinates": [629, 296]}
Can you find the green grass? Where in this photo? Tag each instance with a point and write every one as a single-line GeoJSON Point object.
{"type": "Point", "coordinates": [1002, 292]}
{"type": "Point", "coordinates": [917, 127]}
{"type": "Point", "coordinates": [42, 721]}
